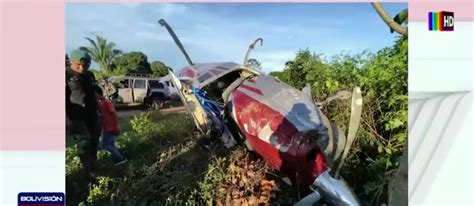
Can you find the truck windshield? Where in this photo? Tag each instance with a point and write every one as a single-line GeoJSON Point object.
{"type": "Point", "coordinates": [156, 84]}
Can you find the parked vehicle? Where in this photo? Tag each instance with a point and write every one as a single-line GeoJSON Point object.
{"type": "Point", "coordinates": [239, 104]}
{"type": "Point", "coordinates": [136, 90]}
{"type": "Point", "coordinates": [173, 92]}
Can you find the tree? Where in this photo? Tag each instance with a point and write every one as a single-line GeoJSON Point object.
{"type": "Point", "coordinates": [306, 67]}
{"type": "Point", "coordinates": [397, 193]}
{"type": "Point", "coordinates": [276, 74]}
{"type": "Point", "coordinates": [98, 74]}
{"type": "Point", "coordinates": [254, 64]}
{"type": "Point", "coordinates": [159, 69]}
{"type": "Point", "coordinates": [132, 63]}
{"type": "Point", "coordinates": [383, 131]}
{"type": "Point", "coordinates": [395, 24]}
{"type": "Point", "coordinates": [102, 52]}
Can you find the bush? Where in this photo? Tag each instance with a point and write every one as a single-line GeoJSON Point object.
{"type": "Point", "coordinates": [100, 193]}
{"type": "Point", "coordinates": [170, 164]}
{"type": "Point", "coordinates": [142, 125]}
{"type": "Point", "coordinates": [215, 175]}
{"type": "Point", "coordinates": [382, 134]}
{"type": "Point", "coordinates": [73, 163]}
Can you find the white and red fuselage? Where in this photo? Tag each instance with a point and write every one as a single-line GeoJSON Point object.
{"type": "Point", "coordinates": [283, 126]}
{"type": "Point", "coordinates": [276, 119]}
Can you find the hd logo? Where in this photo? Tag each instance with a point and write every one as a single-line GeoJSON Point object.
{"type": "Point", "coordinates": [441, 21]}
{"type": "Point", "coordinates": [41, 198]}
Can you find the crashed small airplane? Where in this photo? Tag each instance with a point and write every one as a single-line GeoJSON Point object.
{"type": "Point", "coordinates": [240, 105]}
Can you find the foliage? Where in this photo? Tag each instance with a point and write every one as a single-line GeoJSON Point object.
{"type": "Point", "coordinates": [99, 74]}
{"type": "Point", "coordinates": [401, 17]}
{"type": "Point", "coordinates": [132, 63]}
{"type": "Point", "coordinates": [306, 67]}
{"type": "Point", "coordinates": [254, 64]}
{"type": "Point", "coordinates": [170, 164]}
{"type": "Point", "coordinates": [275, 74]}
{"type": "Point", "coordinates": [160, 169]}
{"type": "Point", "coordinates": [100, 192]}
{"type": "Point", "coordinates": [102, 52]}
{"type": "Point", "coordinates": [159, 69]}
{"type": "Point", "coordinates": [114, 62]}
{"type": "Point", "coordinates": [383, 79]}
{"type": "Point", "coordinates": [73, 163]}
{"type": "Point", "coordinates": [215, 175]}
{"type": "Point", "coordinates": [394, 24]}
{"type": "Point", "coordinates": [142, 125]}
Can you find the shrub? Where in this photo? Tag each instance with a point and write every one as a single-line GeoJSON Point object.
{"type": "Point", "coordinates": [170, 165]}
{"type": "Point", "coordinates": [382, 134]}
{"type": "Point", "coordinates": [142, 125]}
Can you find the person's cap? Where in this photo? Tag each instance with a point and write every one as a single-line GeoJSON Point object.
{"type": "Point", "coordinates": [78, 55]}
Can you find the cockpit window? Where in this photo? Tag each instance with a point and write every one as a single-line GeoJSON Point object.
{"type": "Point", "coordinates": [204, 77]}
{"type": "Point", "coordinates": [215, 89]}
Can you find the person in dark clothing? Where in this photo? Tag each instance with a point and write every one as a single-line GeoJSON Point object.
{"type": "Point", "coordinates": [67, 61]}
{"type": "Point", "coordinates": [81, 109]}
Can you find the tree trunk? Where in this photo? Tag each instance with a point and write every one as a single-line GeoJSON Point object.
{"type": "Point", "coordinates": [388, 20]}
{"type": "Point", "coordinates": [398, 187]}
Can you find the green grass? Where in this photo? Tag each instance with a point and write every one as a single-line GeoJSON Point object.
{"type": "Point", "coordinates": [167, 160]}
{"type": "Point", "coordinates": [170, 163]}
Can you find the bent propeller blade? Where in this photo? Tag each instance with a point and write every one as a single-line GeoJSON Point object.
{"type": "Point", "coordinates": [356, 112]}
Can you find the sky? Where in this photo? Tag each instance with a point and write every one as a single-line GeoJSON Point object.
{"type": "Point", "coordinates": [222, 32]}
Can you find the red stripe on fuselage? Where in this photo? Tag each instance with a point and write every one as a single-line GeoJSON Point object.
{"type": "Point", "coordinates": [293, 161]}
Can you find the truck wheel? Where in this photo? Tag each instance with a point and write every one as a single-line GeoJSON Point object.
{"type": "Point", "coordinates": [156, 103]}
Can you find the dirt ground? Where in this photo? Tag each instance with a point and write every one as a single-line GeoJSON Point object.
{"type": "Point", "coordinates": [169, 107]}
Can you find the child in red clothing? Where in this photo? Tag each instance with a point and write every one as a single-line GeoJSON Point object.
{"type": "Point", "coordinates": [109, 126]}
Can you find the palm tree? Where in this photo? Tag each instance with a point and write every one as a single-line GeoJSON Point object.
{"type": "Point", "coordinates": [102, 52]}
